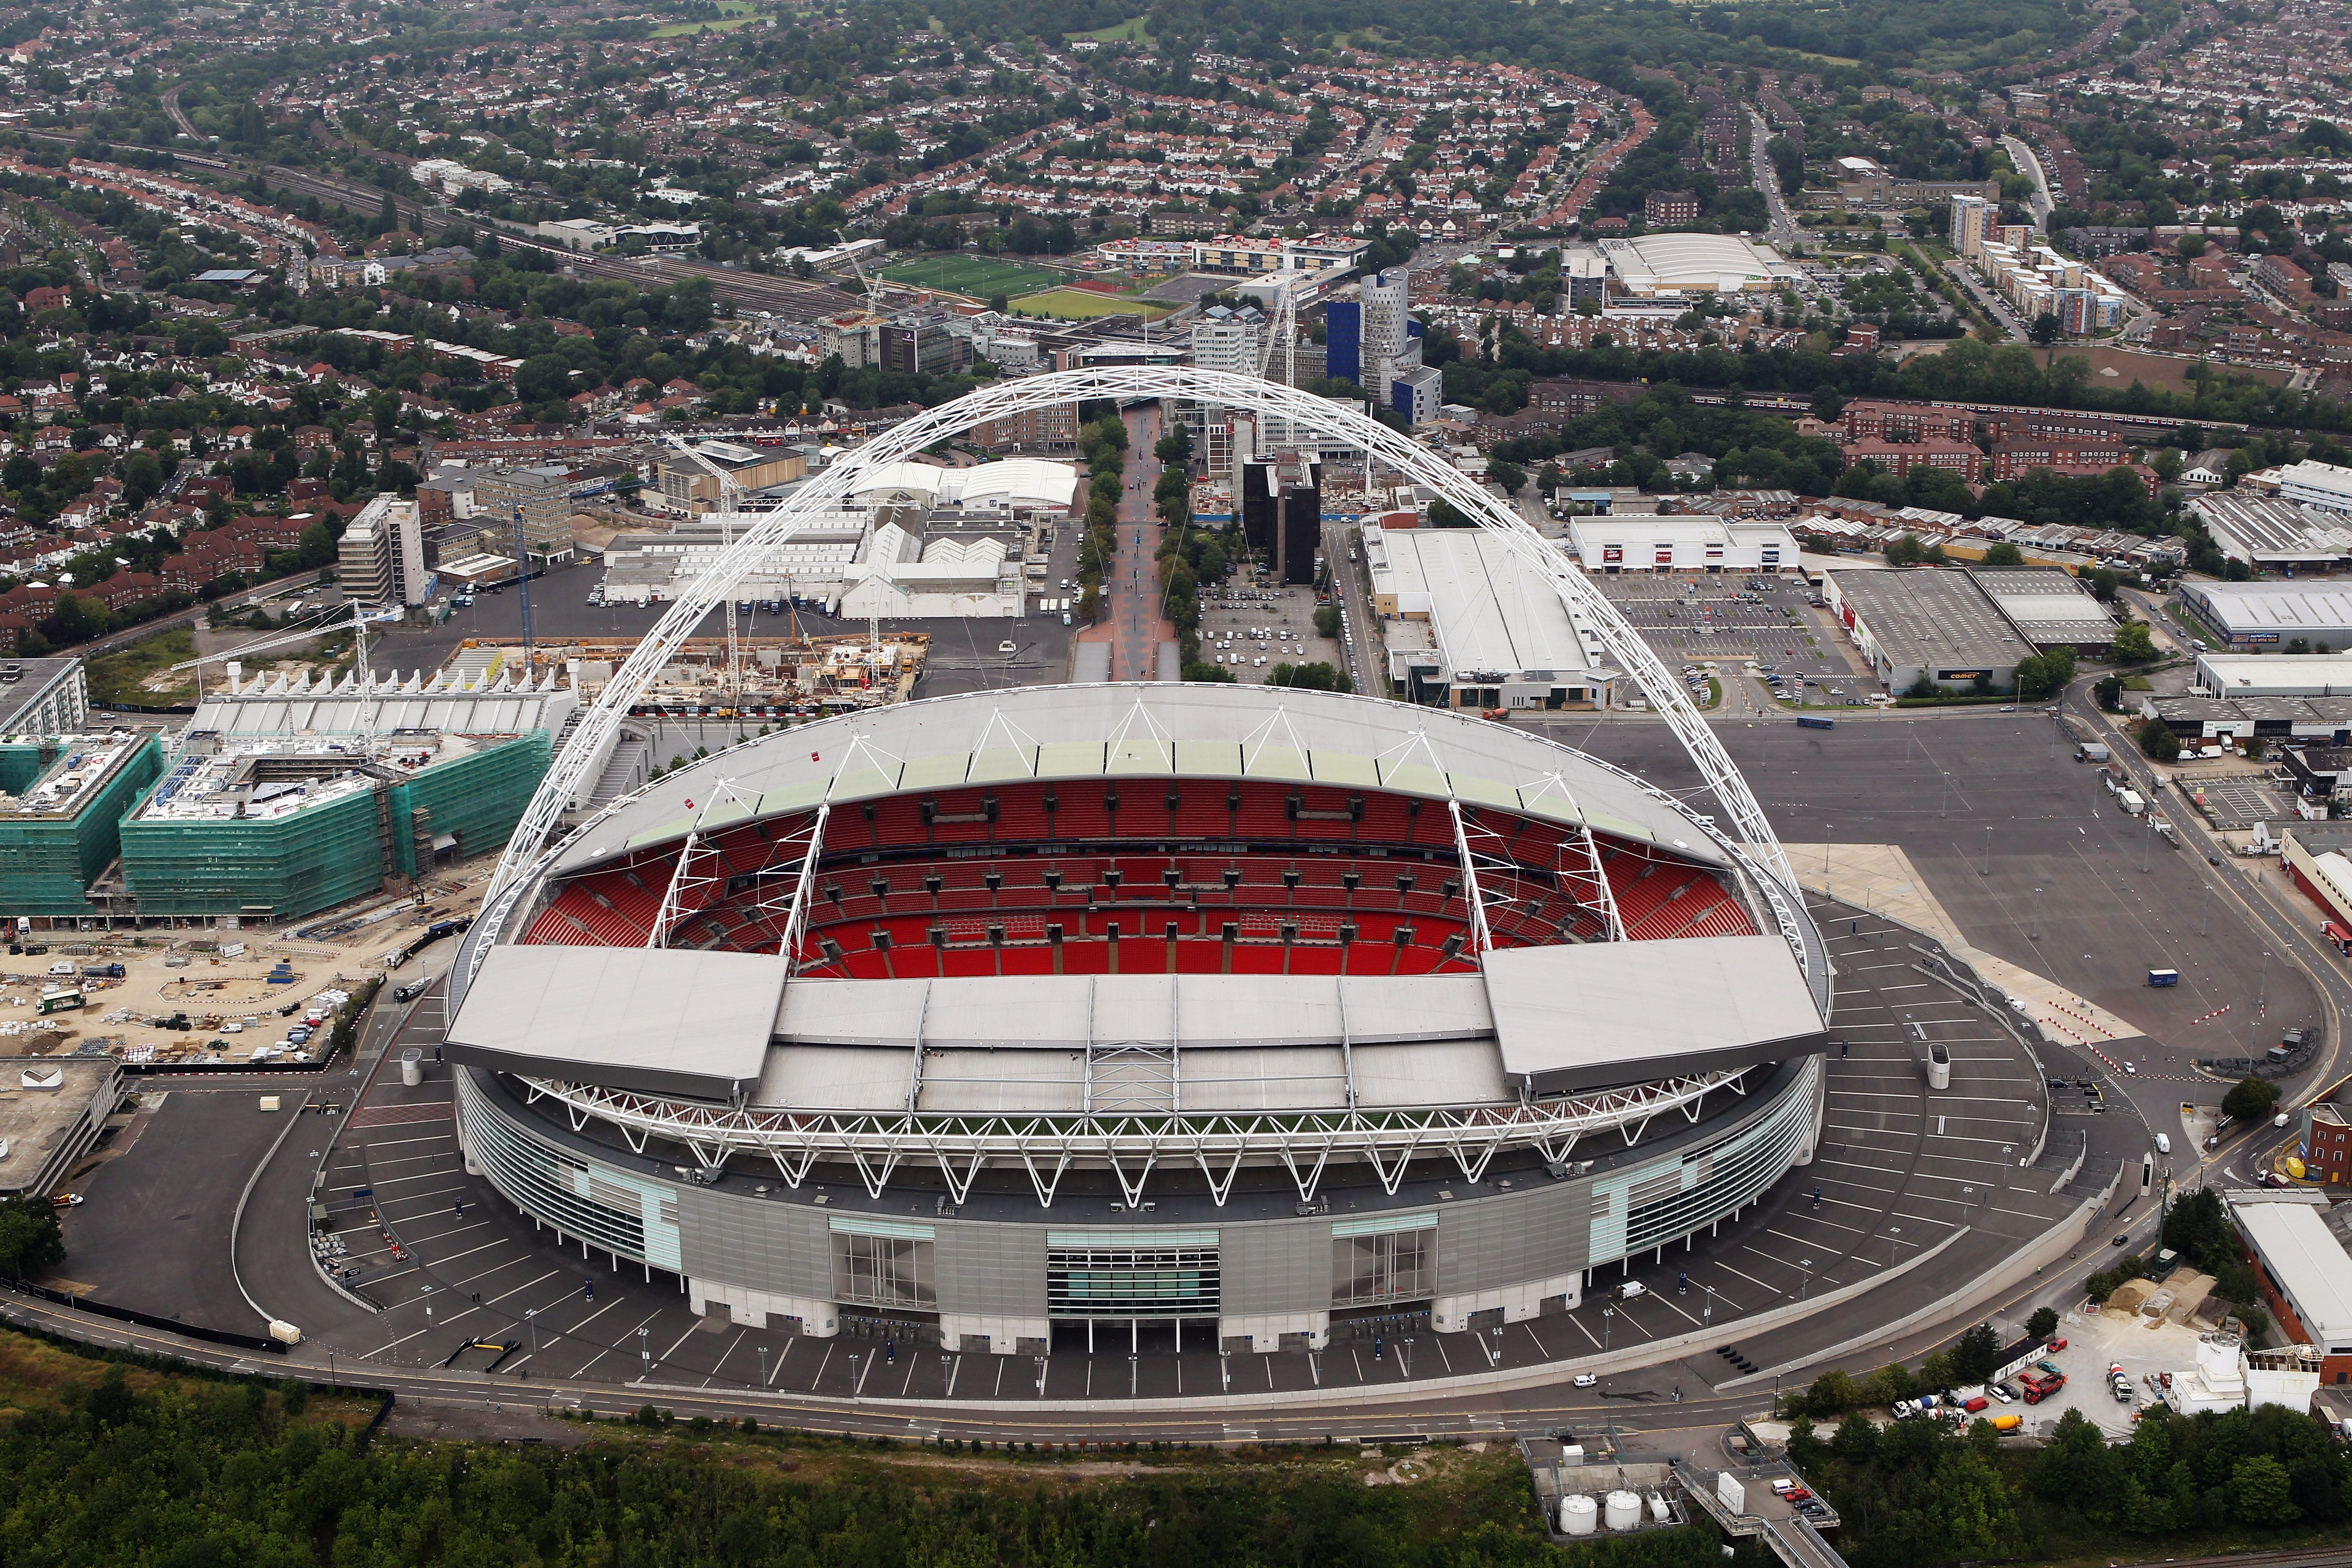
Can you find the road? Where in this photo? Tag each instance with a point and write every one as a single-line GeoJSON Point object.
{"type": "Point", "coordinates": [1784, 230]}
{"type": "Point", "coordinates": [1134, 601]}
{"type": "Point", "coordinates": [1342, 551]}
{"type": "Point", "coordinates": [1960, 273]}
{"type": "Point", "coordinates": [2031, 167]}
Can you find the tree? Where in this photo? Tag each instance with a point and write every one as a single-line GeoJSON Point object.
{"type": "Point", "coordinates": [2133, 642]}
{"type": "Point", "coordinates": [2249, 1100]}
{"type": "Point", "coordinates": [2046, 329]}
{"type": "Point", "coordinates": [1443, 513]}
{"type": "Point", "coordinates": [2159, 744]}
{"type": "Point", "coordinates": [2042, 1323]}
{"type": "Point", "coordinates": [1509, 477]}
{"type": "Point", "coordinates": [1828, 404]}
{"type": "Point", "coordinates": [2109, 692]}
{"type": "Point", "coordinates": [1975, 1354]}
{"type": "Point", "coordinates": [1327, 620]}
{"type": "Point", "coordinates": [1318, 676]}
{"type": "Point", "coordinates": [2004, 554]}
{"type": "Point", "coordinates": [1855, 1441]}
{"type": "Point", "coordinates": [1936, 1371]}
{"type": "Point", "coordinates": [2261, 1492]}
{"type": "Point", "coordinates": [1804, 1445]}
{"type": "Point", "coordinates": [31, 1241]}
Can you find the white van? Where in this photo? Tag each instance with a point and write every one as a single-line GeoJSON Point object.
{"type": "Point", "coordinates": [2164, 1143]}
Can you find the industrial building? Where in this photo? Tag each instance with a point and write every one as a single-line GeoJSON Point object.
{"type": "Point", "coordinates": [2251, 616]}
{"type": "Point", "coordinates": [2236, 675]}
{"type": "Point", "coordinates": [277, 826]}
{"type": "Point", "coordinates": [1468, 625]}
{"type": "Point", "coordinates": [2325, 485]}
{"type": "Point", "coordinates": [1641, 541]}
{"type": "Point", "coordinates": [43, 697]}
{"type": "Point", "coordinates": [61, 800]}
{"type": "Point", "coordinates": [2306, 1276]}
{"type": "Point", "coordinates": [2050, 608]}
{"type": "Point", "coordinates": [686, 484]}
{"type": "Point", "coordinates": [2312, 721]}
{"type": "Point", "coordinates": [1014, 981]}
{"type": "Point", "coordinates": [1926, 625]}
{"type": "Point", "coordinates": [2273, 535]}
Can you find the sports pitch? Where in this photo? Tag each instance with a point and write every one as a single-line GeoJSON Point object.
{"type": "Point", "coordinates": [978, 275]}
{"type": "Point", "coordinates": [1081, 304]}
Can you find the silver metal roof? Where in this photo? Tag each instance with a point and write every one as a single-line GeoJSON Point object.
{"type": "Point", "coordinates": [1162, 730]}
{"type": "Point", "coordinates": [1577, 1018]}
{"type": "Point", "coordinates": [664, 1020]}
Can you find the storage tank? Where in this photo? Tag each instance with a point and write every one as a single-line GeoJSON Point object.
{"type": "Point", "coordinates": [1658, 1511]}
{"type": "Point", "coordinates": [1577, 1514]}
{"type": "Point", "coordinates": [1621, 1511]}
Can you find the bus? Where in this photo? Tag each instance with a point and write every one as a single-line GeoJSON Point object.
{"type": "Point", "coordinates": [1814, 721]}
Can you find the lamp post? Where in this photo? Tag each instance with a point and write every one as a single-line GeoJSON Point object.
{"type": "Point", "coordinates": [1130, 1376]}
{"type": "Point", "coordinates": [1894, 1241]}
{"type": "Point", "coordinates": [531, 1322]}
{"type": "Point", "coordinates": [853, 1384]}
{"type": "Point", "coordinates": [1805, 1264]}
{"type": "Point", "coordinates": [2036, 933]}
{"type": "Point", "coordinates": [1608, 1322]}
{"type": "Point", "coordinates": [2262, 986]}
{"type": "Point", "coordinates": [1987, 857]}
{"type": "Point", "coordinates": [1706, 1313]}
{"type": "Point", "coordinates": [1829, 830]}
{"type": "Point", "coordinates": [762, 1350]}
{"type": "Point", "coordinates": [1498, 1345]}
{"type": "Point", "coordinates": [1945, 808]}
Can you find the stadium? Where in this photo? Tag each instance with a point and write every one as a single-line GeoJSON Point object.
{"type": "Point", "coordinates": [1210, 1011]}
{"type": "Point", "coordinates": [1187, 1014]}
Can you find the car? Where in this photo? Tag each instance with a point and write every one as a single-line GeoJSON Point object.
{"type": "Point", "coordinates": [2120, 1241]}
{"type": "Point", "coordinates": [2055, 1346]}
{"type": "Point", "coordinates": [66, 1200]}
{"type": "Point", "coordinates": [1797, 1494]}
{"type": "Point", "coordinates": [2000, 1391]}
{"type": "Point", "coordinates": [1587, 1380]}
{"type": "Point", "coordinates": [2009, 708]}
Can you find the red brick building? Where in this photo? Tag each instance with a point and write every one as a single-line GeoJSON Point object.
{"type": "Point", "coordinates": [1960, 458]}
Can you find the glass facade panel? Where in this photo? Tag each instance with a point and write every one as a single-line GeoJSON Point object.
{"type": "Point", "coordinates": [883, 1271]}
{"type": "Point", "coordinates": [1366, 1270]}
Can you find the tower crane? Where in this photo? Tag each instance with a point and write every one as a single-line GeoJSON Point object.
{"type": "Point", "coordinates": [731, 502]}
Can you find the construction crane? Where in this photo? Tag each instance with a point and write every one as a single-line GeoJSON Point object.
{"type": "Point", "coordinates": [358, 623]}
{"type": "Point", "coordinates": [869, 286]}
{"type": "Point", "coordinates": [731, 502]}
{"type": "Point", "coordinates": [522, 581]}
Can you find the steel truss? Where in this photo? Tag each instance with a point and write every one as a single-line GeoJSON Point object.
{"type": "Point", "coordinates": [1021, 394]}
{"type": "Point", "coordinates": [1047, 1145]}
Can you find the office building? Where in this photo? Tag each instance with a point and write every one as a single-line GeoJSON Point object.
{"type": "Point", "coordinates": [43, 696]}
{"type": "Point", "coordinates": [542, 496]}
{"type": "Point", "coordinates": [1282, 512]}
{"type": "Point", "coordinates": [1370, 339]}
{"type": "Point", "coordinates": [1418, 394]}
{"type": "Point", "coordinates": [380, 557]}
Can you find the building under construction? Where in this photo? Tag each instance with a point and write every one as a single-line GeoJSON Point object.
{"type": "Point", "coordinates": [277, 826]}
{"type": "Point", "coordinates": [61, 800]}
{"type": "Point", "coordinates": [777, 677]}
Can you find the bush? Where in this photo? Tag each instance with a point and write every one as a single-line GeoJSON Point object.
{"type": "Point", "coordinates": [2159, 742]}
{"type": "Point", "coordinates": [1327, 620]}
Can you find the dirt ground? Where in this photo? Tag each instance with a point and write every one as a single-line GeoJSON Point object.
{"type": "Point", "coordinates": [227, 997]}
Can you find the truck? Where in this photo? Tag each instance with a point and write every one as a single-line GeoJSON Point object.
{"type": "Point", "coordinates": [2037, 1386]}
{"type": "Point", "coordinates": [101, 972]}
{"type": "Point", "coordinates": [2090, 752]}
{"type": "Point", "coordinates": [2164, 977]}
{"type": "Point", "coordinates": [2131, 801]}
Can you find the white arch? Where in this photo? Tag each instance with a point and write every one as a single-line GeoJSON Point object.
{"type": "Point", "coordinates": [1130, 383]}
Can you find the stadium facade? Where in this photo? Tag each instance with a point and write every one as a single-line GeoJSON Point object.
{"type": "Point", "coordinates": [1172, 1013]}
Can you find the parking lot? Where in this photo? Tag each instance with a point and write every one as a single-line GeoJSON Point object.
{"type": "Point", "coordinates": [1721, 624]}
{"type": "Point", "coordinates": [1248, 627]}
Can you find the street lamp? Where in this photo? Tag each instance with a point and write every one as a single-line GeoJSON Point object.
{"type": "Point", "coordinates": [1828, 830]}
{"type": "Point", "coordinates": [645, 1354]}
{"type": "Point", "coordinates": [1498, 1345]}
{"type": "Point", "coordinates": [531, 1322]}
{"type": "Point", "coordinates": [853, 1384]}
{"type": "Point", "coordinates": [2036, 933]}
{"type": "Point", "coordinates": [1944, 808]}
{"type": "Point", "coordinates": [2262, 986]}
{"type": "Point", "coordinates": [1130, 1376]}
{"type": "Point", "coordinates": [1988, 859]}
{"type": "Point", "coordinates": [1807, 1265]}
{"type": "Point", "coordinates": [1608, 1322]}
{"type": "Point", "coordinates": [1706, 1313]}
{"type": "Point", "coordinates": [763, 1364]}
{"type": "Point", "coordinates": [1893, 1240]}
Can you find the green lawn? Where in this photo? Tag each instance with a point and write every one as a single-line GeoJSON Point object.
{"type": "Point", "coordinates": [1128, 32]}
{"type": "Point", "coordinates": [736, 13]}
{"type": "Point", "coordinates": [1079, 305]}
{"type": "Point", "coordinates": [977, 276]}
{"type": "Point", "coordinates": [123, 676]}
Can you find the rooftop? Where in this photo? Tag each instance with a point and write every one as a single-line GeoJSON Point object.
{"type": "Point", "coordinates": [1490, 611]}
{"type": "Point", "coordinates": [2304, 1258]}
{"type": "Point", "coordinates": [1931, 617]}
{"type": "Point", "coordinates": [223, 778]}
{"type": "Point", "coordinates": [34, 677]}
{"type": "Point", "coordinates": [66, 771]}
{"type": "Point", "coordinates": [2046, 604]}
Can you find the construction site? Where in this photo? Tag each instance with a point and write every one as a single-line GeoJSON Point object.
{"type": "Point", "coordinates": [769, 678]}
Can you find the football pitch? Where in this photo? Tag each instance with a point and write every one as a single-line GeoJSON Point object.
{"type": "Point", "coordinates": [978, 275]}
{"type": "Point", "coordinates": [1083, 304]}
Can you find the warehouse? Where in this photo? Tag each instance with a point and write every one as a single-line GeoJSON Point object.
{"type": "Point", "coordinates": [2274, 535]}
{"type": "Point", "coordinates": [2273, 616]}
{"type": "Point", "coordinates": [2236, 675]}
{"type": "Point", "coordinates": [2049, 607]}
{"type": "Point", "coordinates": [1638, 543]}
{"type": "Point", "coordinates": [1467, 624]}
{"type": "Point", "coordinates": [1672, 265]}
{"type": "Point", "coordinates": [2307, 1278]}
{"type": "Point", "coordinates": [1937, 627]}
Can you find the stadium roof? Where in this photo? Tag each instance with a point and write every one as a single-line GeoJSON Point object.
{"type": "Point", "coordinates": [1161, 730]}
{"type": "Point", "coordinates": [666, 1020]}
